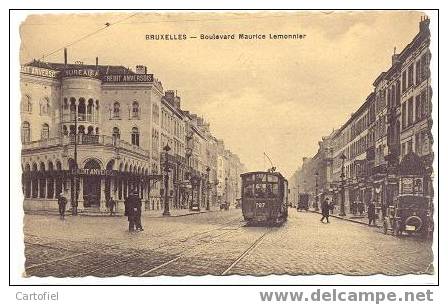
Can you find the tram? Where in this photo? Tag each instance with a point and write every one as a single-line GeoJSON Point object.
{"type": "Point", "coordinates": [264, 197]}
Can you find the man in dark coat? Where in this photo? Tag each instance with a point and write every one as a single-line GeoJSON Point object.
{"type": "Point", "coordinates": [325, 210]}
{"type": "Point", "coordinates": [62, 202]}
{"type": "Point", "coordinates": [371, 213]}
{"type": "Point", "coordinates": [138, 214]}
{"type": "Point", "coordinates": [130, 211]}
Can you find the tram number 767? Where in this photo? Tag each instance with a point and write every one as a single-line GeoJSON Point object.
{"type": "Point", "coordinates": [260, 204]}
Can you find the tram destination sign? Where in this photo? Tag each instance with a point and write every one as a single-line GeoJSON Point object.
{"type": "Point", "coordinates": [128, 78]}
{"type": "Point", "coordinates": [93, 172]}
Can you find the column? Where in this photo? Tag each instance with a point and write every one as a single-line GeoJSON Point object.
{"type": "Point", "coordinates": [103, 194]}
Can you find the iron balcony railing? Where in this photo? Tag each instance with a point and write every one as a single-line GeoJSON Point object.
{"type": "Point", "coordinates": [83, 139]}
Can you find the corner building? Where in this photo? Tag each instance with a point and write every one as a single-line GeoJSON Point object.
{"type": "Point", "coordinates": [88, 128]}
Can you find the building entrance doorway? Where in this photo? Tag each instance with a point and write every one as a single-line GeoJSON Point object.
{"type": "Point", "coordinates": [92, 186]}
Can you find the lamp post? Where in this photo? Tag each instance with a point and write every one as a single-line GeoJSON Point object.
{"type": "Point", "coordinates": [227, 199]}
{"type": "Point", "coordinates": [342, 211]}
{"type": "Point", "coordinates": [75, 156]}
{"type": "Point", "coordinates": [208, 188]}
{"type": "Point", "coordinates": [316, 205]}
{"type": "Point", "coordinates": [166, 211]}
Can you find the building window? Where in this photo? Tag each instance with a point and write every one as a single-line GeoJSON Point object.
{"type": "Point", "coordinates": [418, 70]}
{"type": "Point", "coordinates": [45, 133]}
{"type": "Point", "coordinates": [403, 81]}
{"type": "Point", "coordinates": [410, 111]}
{"type": "Point", "coordinates": [27, 104]}
{"type": "Point", "coordinates": [411, 75]}
{"type": "Point", "coordinates": [26, 132]}
{"type": "Point", "coordinates": [135, 137]}
{"type": "Point", "coordinates": [403, 116]}
{"type": "Point", "coordinates": [135, 110]}
{"type": "Point", "coordinates": [116, 110]}
{"type": "Point", "coordinates": [44, 106]}
{"type": "Point", "coordinates": [116, 133]}
{"type": "Point", "coordinates": [410, 146]}
{"type": "Point", "coordinates": [418, 108]}
{"type": "Point", "coordinates": [425, 106]}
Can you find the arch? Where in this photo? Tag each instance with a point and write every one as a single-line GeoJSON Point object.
{"type": "Point", "coordinates": [58, 165]}
{"type": "Point", "coordinates": [26, 132]}
{"type": "Point", "coordinates": [110, 164]}
{"type": "Point", "coordinates": [50, 165]}
{"type": "Point", "coordinates": [126, 167]}
{"type": "Point", "coordinates": [82, 109]}
{"type": "Point", "coordinates": [45, 132]}
{"type": "Point", "coordinates": [42, 166]}
{"type": "Point", "coordinates": [92, 162]}
{"type": "Point", "coordinates": [65, 104]}
{"type": "Point", "coordinates": [120, 168]}
{"type": "Point", "coordinates": [42, 181]}
{"type": "Point", "coordinates": [64, 130]}
{"type": "Point", "coordinates": [27, 167]}
{"type": "Point", "coordinates": [81, 129]}
{"type": "Point", "coordinates": [90, 130]}
{"type": "Point", "coordinates": [97, 130]}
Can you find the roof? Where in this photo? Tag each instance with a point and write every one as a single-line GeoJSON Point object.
{"type": "Point", "coordinates": [263, 172]}
{"type": "Point", "coordinates": [102, 69]}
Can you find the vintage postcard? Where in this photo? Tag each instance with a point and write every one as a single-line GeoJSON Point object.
{"type": "Point", "coordinates": [227, 143]}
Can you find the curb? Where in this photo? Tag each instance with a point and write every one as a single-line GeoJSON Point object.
{"type": "Point", "coordinates": [351, 220]}
{"type": "Point", "coordinates": [51, 213]}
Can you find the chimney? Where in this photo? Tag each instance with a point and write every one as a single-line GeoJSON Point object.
{"type": "Point", "coordinates": [424, 23]}
{"type": "Point", "coordinates": [65, 56]}
{"type": "Point", "coordinates": [395, 57]}
{"type": "Point", "coordinates": [96, 61]}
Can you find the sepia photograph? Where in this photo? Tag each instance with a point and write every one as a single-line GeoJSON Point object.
{"type": "Point", "coordinates": [231, 143]}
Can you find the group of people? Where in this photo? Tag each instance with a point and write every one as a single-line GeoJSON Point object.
{"type": "Point", "coordinates": [132, 209]}
{"type": "Point", "coordinates": [328, 206]}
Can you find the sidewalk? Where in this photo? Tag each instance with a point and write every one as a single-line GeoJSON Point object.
{"type": "Point", "coordinates": [361, 219]}
{"type": "Point", "coordinates": [147, 213]}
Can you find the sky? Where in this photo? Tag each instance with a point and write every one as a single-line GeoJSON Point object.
{"type": "Point", "coordinates": [274, 96]}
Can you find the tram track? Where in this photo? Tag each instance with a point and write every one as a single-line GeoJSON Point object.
{"type": "Point", "coordinates": [91, 268]}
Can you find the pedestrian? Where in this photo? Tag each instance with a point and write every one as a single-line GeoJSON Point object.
{"type": "Point", "coordinates": [62, 202]}
{"type": "Point", "coordinates": [111, 204]}
{"type": "Point", "coordinates": [138, 211]}
{"type": "Point", "coordinates": [361, 208]}
{"type": "Point", "coordinates": [325, 210]}
{"type": "Point", "coordinates": [129, 211]}
{"type": "Point", "coordinates": [383, 210]}
{"type": "Point", "coordinates": [371, 213]}
{"type": "Point", "coordinates": [331, 207]}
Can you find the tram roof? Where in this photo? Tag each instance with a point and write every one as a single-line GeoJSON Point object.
{"type": "Point", "coordinates": [263, 172]}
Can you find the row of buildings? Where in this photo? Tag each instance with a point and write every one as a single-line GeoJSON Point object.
{"type": "Point", "coordinates": [387, 137]}
{"type": "Point", "coordinates": [98, 131]}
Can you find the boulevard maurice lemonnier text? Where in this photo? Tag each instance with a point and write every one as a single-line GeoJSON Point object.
{"type": "Point", "coordinates": [226, 36]}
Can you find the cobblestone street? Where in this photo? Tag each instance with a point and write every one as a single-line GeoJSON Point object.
{"type": "Point", "coordinates": [217, 243]}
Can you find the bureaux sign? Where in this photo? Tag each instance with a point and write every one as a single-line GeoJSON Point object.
{"type": "Point", "coordinates": [81, 73]}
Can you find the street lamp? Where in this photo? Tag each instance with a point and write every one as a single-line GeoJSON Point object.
{"type": "Point", "coordinates": [316, 205]}
{"type": "Point", "coordinates": [225, 186]}
{"type": "Point", "coordinates": [166, 211]}
{"type": "Point", "coordinates": [208, 188]}
{"type": "Point", "coordinates": [342, 212]}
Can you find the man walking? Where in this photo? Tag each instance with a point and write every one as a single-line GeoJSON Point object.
{"type": "Point", "coordinates": [62, 202]}
{"type": "Point", "coordinates": [111, 205]}
{"type": "Point", "coordinates": [371, 213]}
{"type": "Point", "coordinates": [325, 210]}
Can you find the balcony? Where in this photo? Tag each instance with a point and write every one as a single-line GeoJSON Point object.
{"type": "Point", "coordinates": [81, 139]}
{"type": "Point", "coordinates": [379, 169]}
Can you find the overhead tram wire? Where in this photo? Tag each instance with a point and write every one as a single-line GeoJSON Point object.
{"type": "Point", "coordinates": [106, 25]}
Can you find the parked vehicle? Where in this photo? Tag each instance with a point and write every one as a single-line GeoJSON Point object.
{"type": "Point", "coordinates": [304, 199]}
{"type": "Point", "coordinates": [410, 213]}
